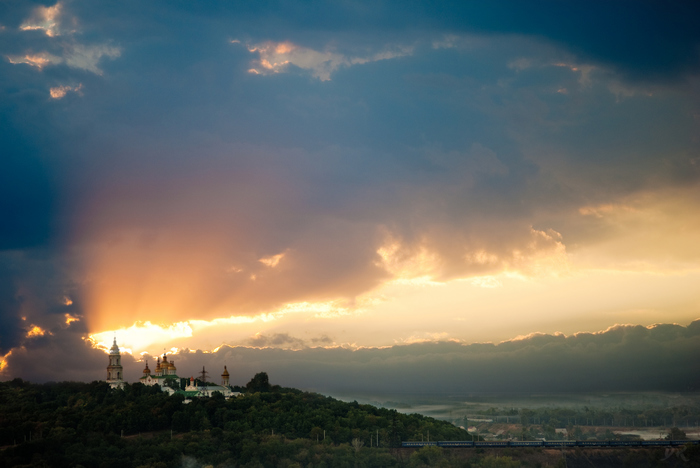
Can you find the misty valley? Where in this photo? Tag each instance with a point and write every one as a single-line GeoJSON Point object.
{"type": "Point", "coordinates": [600, 416]}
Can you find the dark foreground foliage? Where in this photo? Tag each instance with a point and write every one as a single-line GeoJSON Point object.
{"type": "Point", "coordinates": [70, 424]}
{"type": "Point", "coordinates": [90, 425]}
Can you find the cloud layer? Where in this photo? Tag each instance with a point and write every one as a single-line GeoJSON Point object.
{"type": "Point", "coordinates": [622, 358]}
{"type": "Point", "coordinates": [183, 168]}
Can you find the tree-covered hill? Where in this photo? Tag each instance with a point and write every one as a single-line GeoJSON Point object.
{"type": "Point", "coordinates": [71, 424]}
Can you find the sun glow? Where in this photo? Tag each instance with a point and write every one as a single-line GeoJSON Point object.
{"type": "Point", "coordinates": [3, 360]}
{"type": "Point", "coordinates": [70, 319]}
{"type": "Point", "coordinates": [149, 337]}
{"type": "Point", "coordinates": [37, 331]}
{"type": "Point", "coordinates": [141, 335]}
{"type": "Point", "coordinates": [273, 260]}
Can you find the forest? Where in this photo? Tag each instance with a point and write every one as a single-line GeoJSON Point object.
{"type": "Point", "coordinates": [91, 425]}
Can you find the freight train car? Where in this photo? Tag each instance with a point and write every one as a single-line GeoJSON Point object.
{"type": "Point", "coordinates": [550, 443]}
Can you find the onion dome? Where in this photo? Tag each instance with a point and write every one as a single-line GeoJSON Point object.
{"type": "Point", "coordinates": [225, 374]}
{"type": "Point", "coordinates": [158, 365]}
{"type": "Point", "coordinates": [147, 371]}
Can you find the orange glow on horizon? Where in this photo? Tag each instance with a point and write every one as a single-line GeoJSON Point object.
{"type": "Point", "coordinates": [147, 335]}
{"type": "Point", "coordinates": [163, 281]}
{"type": "Point", "coordinates": [197, 287]}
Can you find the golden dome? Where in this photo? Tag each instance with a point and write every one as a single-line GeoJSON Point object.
{"type": "Point", "coordinates": [225, 374]}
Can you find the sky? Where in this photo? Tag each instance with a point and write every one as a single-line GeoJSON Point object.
{"type": "Point", "coordinates": [351, 193]}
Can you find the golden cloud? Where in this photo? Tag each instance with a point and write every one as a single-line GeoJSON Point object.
{"type": "Point", "coordinates": [60, 92]}
{"type": "Point", "coordinates": [275, 57]}
{"type": "Point", "coordinates": [44, 18]}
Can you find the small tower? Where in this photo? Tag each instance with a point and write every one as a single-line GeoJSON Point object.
{"type": "Point", "coordinates": [203, 375]}
{"type": "Point", "coordinates": [146, 378]}
{"type": "Point", "coordinates": [115, 371]}
{"type": "Point", "coordinates": [224, 377]}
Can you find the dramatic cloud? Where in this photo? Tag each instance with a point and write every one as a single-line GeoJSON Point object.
{"type": "Point", "coordinates": [60, 92]}
{"type": "Point", "coordinates": [39, 60]}
{"type": "Point", "coordinates": [276, 58]}
{"type": "Point", "coordinates": [360, 174]}
{"type": "Point", "coordinates": [44, 18]}
{"type": "Point", "coordinates": [622, 358]}
{"type": "Point", "coordinates": [68, 50]}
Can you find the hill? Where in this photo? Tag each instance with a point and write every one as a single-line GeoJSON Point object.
{"type": "Point", "coordinates": [72, 424]}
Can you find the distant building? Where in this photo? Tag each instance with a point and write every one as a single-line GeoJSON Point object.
{"type": "Point", "coordinates": [165, 375]}
{"type": "Point", "coordinates": [205, 390]}
{"type": "Point", "coordinates": [115, 371]}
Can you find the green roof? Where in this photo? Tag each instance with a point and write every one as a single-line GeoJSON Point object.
{"type": "Point", "coordinates": [162, 377]}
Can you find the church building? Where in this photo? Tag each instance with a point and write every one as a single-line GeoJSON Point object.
{"type": "Point", "coordinates": [165, 375]}
{"type": "Point", "coordinates": [115, 371]}
{"type": "Point", "coordinates": [165, 371]}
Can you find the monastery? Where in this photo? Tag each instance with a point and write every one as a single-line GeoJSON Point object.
{"type": "Point", "coordinates": [166, 376]}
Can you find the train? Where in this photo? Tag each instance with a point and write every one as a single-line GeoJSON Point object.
{"type": "Point", "coordinates": [550, 443]}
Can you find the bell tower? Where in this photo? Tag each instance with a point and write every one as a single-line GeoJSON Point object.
{"type": "Point", "coordinates": [115, 371]}
{"type": "Point", "coordinates": [224, 377]}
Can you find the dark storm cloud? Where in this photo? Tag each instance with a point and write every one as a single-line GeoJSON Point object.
{"type": "Point", "coordinates": [10, 318]}
{"type": "Point", "coordinates": [623, 358]}
{"type": "Point", "coordinates": [277, 340]}
{"type": "Point", "coordinates": [644, 40]}
{"type": "Point", "coordinates": [27, 206]}
{"type": "Point", "coordinates": [61, 354]}
{"type": "Point", "coordinates": [36, 289]}
{"type": "Point", "coordinates": [169, 133]}
{"type": "Point", "coordinates": [287, 341]}
{"type": "Point", "coordinates": [25, 203]}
